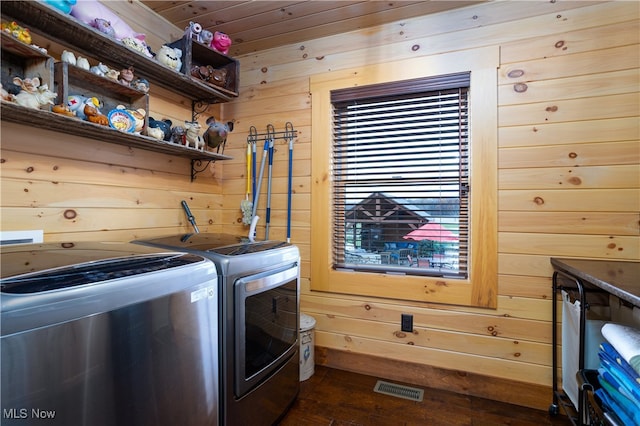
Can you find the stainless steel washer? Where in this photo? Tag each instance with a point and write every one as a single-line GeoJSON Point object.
{"type": "Point", "coordinates": [108, 334]}
{"type": "Point", "coordinates": [259, 323]}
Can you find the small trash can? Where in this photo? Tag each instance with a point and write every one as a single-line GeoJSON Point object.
{"type": "Point", "coordinates": [307, 325]}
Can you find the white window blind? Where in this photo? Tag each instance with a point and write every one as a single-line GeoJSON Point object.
{"type": "Point", "coordinates": [400, 176]}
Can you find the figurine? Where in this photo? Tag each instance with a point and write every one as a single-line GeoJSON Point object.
{"type": "Point", "coordinates": [218, 77]}
{"type": "Point", "coordinates": [155, 132]}
{"type": "Point", "coordinates": [100, 69]}
{"type": "Point", "coordinates": [138, 116]}
{"type": "Point", "coordinates": [216, 134]}
{"type": "Point", "coordinates": [104, 27]}
{"type": "Point", "coordinates": [178, 135]}
{"type": "Point", "coordinates": [201, 71]}
{"type": "Point", "coordinates": [17, 31]}
{"type": "Point", "coordinates": [140, 84]}
{"type": "Point", "coordinates": [82, 62]}
{"type": "Point", "coordinates": [170, 57]}
{"type": "Point", "coordinates": [63, 110]}
{"type": "Point", "coordinates": [112, 74]}
{"type": "Point", "coordinates": [94, 116]}
{"type": "Point", "coordinates": [68, 57]}
{"type": "Point", "coordinates": [193, 135]}
{"type": "Point", "coordinates": [164, 125]}
{"type": "Point", "coordinates": [6, 96]}
{"type": "Point", "coordinates": [41, 97]}
{"type": "Point", "coordinates": [206, 37]}
{"type": "Point", "coordinates": [63, 6]}
{"type": "Point", "coordinates": [126, 76]}
{"type": "Point", "coordinates": [221, 42]}
{"type": "Point", "coordinates": [137, 45]}
{"type": "Point", "coordinates": [76, 103]}
{"type": "Point", "coordinates": [193, 31]}
{"type": "Point", "coordinates": [88, 10]}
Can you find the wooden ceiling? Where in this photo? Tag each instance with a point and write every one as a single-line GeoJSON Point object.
{"type": "Point", "coordinates": [264, 24]}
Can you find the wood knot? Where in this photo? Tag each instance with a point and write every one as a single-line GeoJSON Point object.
{"type": "Point", "coordinates": [70, 214]}
{"type": "Point", "coordinates": [520, 87]}
{"type": "Point", "coordinates": [400, 334]}
{"type": "Point", "coordinates": [517, 354]}
{"type": "Point", "coordinates": [538, 200]}
{"type": "Point", "coordinates": [415, 47]}
{"type": "Point", "coordinates": [574, 180]}
{"type": "Point", "coordinates": [515, 73]}
{"type": "Point", "coordinates": [264, 69]}
{"type": "Point", "coordinates": [67, 245]}
{"type": "Point", "coordinates": [573, 155]}
{"type": "Point", "coordinates": [559, 44]}
{"type": "Point", "coordinates": [611, 246]}
{"type": "Point", "coordinates": [30, 169]}
{"type": "Point", "coordinates": [551, 108]}
{"type": "Point", "coordinates": [348, 339]}
{"type": "Point", "coordinates": [367, 307]}
{"type": "Point", "coordinates": [319, 58]}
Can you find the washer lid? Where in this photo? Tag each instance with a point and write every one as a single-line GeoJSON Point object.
{"type": "Point", "coordinates": [34, 268]}
{"type": "Point", "coordinates": [225, 244]}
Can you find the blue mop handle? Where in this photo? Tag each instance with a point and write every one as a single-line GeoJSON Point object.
{"type": "Point", "coordinates": [289, 190]}
{"type": "Point", "coordinates": [268, 212]}
{"type": "Point", "coordinates": [254, 161]}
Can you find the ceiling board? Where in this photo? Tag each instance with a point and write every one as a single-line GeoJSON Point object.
{"type": "Point", "coordinates": [260, 25]}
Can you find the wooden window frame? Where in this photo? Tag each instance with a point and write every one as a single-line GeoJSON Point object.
{"type": "Point", "coordinates": [480, 288]}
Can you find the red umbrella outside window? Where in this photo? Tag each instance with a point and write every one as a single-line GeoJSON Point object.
{"type": "Point", "coordinates": [432, 231]}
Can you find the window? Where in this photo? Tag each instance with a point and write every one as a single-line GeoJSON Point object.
{"type": "Point", "coordinates": [451, 182]}
{"type": "Point", "coordinates": [400, 176]}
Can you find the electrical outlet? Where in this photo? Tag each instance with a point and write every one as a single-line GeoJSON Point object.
{"type": "Point", "coordinates": [406, 323]}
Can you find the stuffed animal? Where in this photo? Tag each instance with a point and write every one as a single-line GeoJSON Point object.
{"type": "Point", "coordinates": [87, 11]}
{"type": "Point", "coordinates": [215, 136]}
{"type": "Point", "coordinates": [193, 135]}
{"type": "Point", "coordinates": [221, 42]}
{"type": "Point", "coordinates": [170, 57]}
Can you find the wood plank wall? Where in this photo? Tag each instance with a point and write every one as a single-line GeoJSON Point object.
{"type": "Point", "coordinates": [77, 189]}
{"type": "Point", "coordinates": [568, 177]}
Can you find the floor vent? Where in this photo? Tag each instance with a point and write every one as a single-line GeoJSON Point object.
{"type": "Point", "coordinates": [406, 392]}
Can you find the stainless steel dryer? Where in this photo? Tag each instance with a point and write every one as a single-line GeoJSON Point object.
{"type": "Point", "coordinates": [108, 334]}
{"type": "Point", "coordinates": [259, 326]}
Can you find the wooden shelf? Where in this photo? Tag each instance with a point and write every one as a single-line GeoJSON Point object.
{"type": "Point", "coordinates": [64, 29]}
{"type": "Point", "coordinates": [74, 126]}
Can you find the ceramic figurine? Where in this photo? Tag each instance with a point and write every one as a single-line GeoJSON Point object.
{"type": "Point", "coordinates": [206, 37]}
{"type": "Point", "coordinates": [221, 42]}
{"type": "Point", "coordinates": [76, 103]}
{"type": "Point", "coordinates": [63, 110]}
{"type": "Point", "coordinates": [138, 115]}
{"type": "Point", "coordinates": [82, 62]}
{"type": "Point", "coordinates": [112, 74]}
{"type": "Point", "coordinates": [104, 26]}
{"type": "Point", "coordinates": [155, 132]}
{"type": "Point", "coordinates": [68, 57]}
{"type": "Point", "coordinates": [170, 57]}
{"type": "Point", "coordinates": [164, 125]}
{"type": "Point", "coordinates": [126, 76]}
{"type": "Point", "coordinates": [193, 135]}
{"type": "Point", "coordinates": [94, 116]}
{"type": "Point", "coordinates": [140, 84]}
{"type": "Point", "coordinates": [215, 136]}
{"type": "Point", "coordinates": [41, 97]}
{"type": "Point", "coordinates": [178, 135]}
{"type": "Point", "coordinates": [100, 69]}
{"type": "Point", "coordinates": [193, 31]}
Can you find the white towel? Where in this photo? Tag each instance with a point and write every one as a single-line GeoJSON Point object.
{"type": "Point", "coordinates": [626, 340]}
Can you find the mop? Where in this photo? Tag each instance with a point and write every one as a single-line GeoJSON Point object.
{"type": "Point", "coordinates": [255, 217]}
{"type": "Point", "coordinates": [190, 217]}
{"type": "Point", "coordinates": [246, 205]}
{"type": "Point", "coordinates": [289, 132]}
{"type": "Point", "coordinates": [270, 136]}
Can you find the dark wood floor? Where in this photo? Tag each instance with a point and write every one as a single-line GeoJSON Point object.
{"type": "Point", "coordinates": [340, 398]}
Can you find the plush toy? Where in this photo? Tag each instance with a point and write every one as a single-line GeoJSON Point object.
{"type": "Point", "coordinates": [63, 6]}
{"type": "Point", "coordinates": [87, 11]}
{"type": "Point", "coordinates": [216, 134]}
{"type": "Point", "coordinates": [221, 42]}
{"type": "Point", "coordinates": [170, 57]}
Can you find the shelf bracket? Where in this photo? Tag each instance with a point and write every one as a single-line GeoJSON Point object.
{"type": "Point", "coordinates": [199, 166]}
{"type": "Point", "coordinates": [199, 107]}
